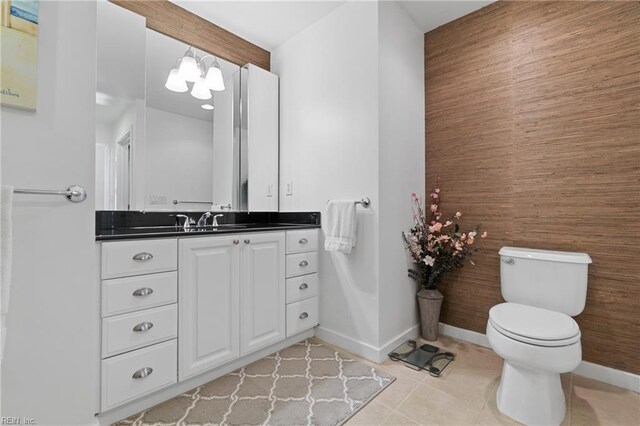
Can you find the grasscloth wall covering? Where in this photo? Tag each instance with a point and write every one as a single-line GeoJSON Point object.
{"type": "Point", "coordinates": [533, 125]}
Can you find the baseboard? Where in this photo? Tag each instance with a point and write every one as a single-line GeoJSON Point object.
{"type": "Point", "coordinates": [365, 350]}
{"type": "Point", "coordinates": [587, 369]}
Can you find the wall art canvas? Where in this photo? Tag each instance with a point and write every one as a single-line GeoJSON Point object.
{"type": "Point", "coordinates": [19, 53]}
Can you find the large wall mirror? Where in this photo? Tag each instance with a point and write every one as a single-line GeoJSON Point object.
{"type": "Point", "coordinates": [170, 120]}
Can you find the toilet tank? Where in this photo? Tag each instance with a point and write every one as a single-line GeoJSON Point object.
{"type": "Point", "coordinates": [554, 280]}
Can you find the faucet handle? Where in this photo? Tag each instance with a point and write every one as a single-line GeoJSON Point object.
{"type": "Point", "coordinates": [215, 219]}
{"type": "Point", "coordinates": [187, 221]}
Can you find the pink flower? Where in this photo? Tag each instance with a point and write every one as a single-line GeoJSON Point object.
{"type": "Point", "coordinates": [458, 215]}
{"type": "Point", "coordinates": [436, 227]}
{"type": "Point", "coordinates": [458, 246]}
{"type": "Point", "coordinates": [429, 237]}
{"type": "Point", "coordinates": [448, 223]}
{"type": "Point", "coordinates": [484, 235]}
{"type": "Point", "coordinates": [434, 208]}
{"type": "Point", "coordinates": [428, 260]}
{"type": "Point", "coordinates": [414, 195]}
{"type": "Point", "coordinates": [434, 195]}
{"type": "Point", "coordinates": [437, 190]}
{"type": "Point", "coordinates": [463, 237]}
{"type": "Point", "coordinates": [470, 241]}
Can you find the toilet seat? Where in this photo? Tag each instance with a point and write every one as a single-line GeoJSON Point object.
{"type": "Point", "coordinates": [536, 326]}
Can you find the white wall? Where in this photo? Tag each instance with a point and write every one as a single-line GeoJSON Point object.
{"type": "Point", "coordinates": [339, 141]}
{"type": "Point", "coordinates": [50, 370]}
{"type": "Point", "coordinates": [401, 161]}
{"type": "Point", "coordinates": [173, 141]}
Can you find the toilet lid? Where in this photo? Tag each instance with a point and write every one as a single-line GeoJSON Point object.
{"type": "Point", "coordinates": [534, 325]}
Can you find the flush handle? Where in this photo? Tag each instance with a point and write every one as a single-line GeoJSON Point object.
{"type": "Point", "coordinates": [303, 241]}
{"type": "Point", "coordinates": [303, 263]}
{"type": "Point", "coordinates": [143, 256]}
{"type": "Point", "coordinates": [142, 373]}
{"type": "Point", "coordinates": [143, 326]}
{"type": "Point", "coordinates": [145, 291]}
{"type": "Point", "coordinates": [303, 286]}
{"type": "Point", "coordinates": [304, 315]}
{"type": "Point", "coordinates": [508, 260]}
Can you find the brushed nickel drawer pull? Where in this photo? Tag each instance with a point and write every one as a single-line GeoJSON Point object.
{"type": "Point", "coordinates": [143, 326]}
{"type": "Point", "coordinates": [247, 241]}
{"type": "Point", "coordinates": [303, 286]}
{"type": "Point", "coordinates": [144, 291]}
{"type": "Point", "coordinates": [304, 315]}
{"type": "Point", "coordinates": [236, 242]}
{"type": "Point", "coordinates": [142, 373]}
{"type": "Point", "coordinates": [143, 256]}
{"type": "Point", "coordinates": [303, 263]}
{"type": "Point", "coordinates": [303, 241]}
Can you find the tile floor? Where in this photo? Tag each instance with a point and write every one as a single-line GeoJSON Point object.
{"type": "Point", "coordinates": [465, 395]}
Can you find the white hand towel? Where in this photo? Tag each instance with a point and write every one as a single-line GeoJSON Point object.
{"type": "Point", "coordinates": [340, 226]}
{"type": "Point", "coordinates": [6, 204]}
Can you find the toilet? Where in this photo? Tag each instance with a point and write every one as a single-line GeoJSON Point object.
{"type": "Point", "coordinates": [534, 332]}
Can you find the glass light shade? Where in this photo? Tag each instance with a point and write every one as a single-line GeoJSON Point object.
{"type": "Point", "coordinates": [201, 90]}
{"type": "Point", "coordinates": [189, 69]}
{"type": "Point", "coordinates": [175, 83]}
{"type": "Point", "coordinates": [214, 78]}
{"type": "Point", "coordinates": [208, 107]}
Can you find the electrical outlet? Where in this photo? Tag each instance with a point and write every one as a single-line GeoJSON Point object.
{"type": "Point", "coordinates": [289, 188]}
{"type": "Point", "coordinates": [157, 199]}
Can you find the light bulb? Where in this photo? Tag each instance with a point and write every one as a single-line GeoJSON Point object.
{"type": "Point", "coordinates": [201, 90]}
{"type": "Point", "coordinates": [175, 83]}
{"type": "Point", "coordinates": [208, 107]}
{"type": "Point", "coordinates": [189, 70]}
{"type": "Point", "coordinates": [214, 78]}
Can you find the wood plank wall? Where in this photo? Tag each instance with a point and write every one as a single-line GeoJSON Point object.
{"type": "Point", "coordinates": [533, 126]}
{"type": "Point", "coordinates": [174, 21]}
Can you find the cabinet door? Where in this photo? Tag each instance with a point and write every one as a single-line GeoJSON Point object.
{"type": "Point", "coordinates": [208, 290]}
{"type": "Point", "coordinates": [262, 277]}
{"type": "Point", "coordinates": [259, 153]}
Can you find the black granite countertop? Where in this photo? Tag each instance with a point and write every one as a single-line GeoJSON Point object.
{"type": "Point", "coordinates": [121, 225]}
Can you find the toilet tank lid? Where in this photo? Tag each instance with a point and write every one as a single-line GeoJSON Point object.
{"type": "Point", "coordinates": [553, 256]}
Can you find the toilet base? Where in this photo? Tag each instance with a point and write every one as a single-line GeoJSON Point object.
{"type": "Point", "coordinates": [532, 397]}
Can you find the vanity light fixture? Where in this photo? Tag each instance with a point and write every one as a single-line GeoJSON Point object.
{"type": "Point", "coordinates": [208, 107]}
{"type": "Point", "coordinates": [192, 68]}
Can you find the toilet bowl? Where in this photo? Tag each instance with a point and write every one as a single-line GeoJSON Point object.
{"type": "Point", "coordinates": [536, 345]}
{"type": "Point", "coordinates": [534, 332]}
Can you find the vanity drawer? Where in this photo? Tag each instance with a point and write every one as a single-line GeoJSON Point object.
{"type": "Point", "coordinates": [122, 295]}
{"type": "Point", "coordinates": [302, 241]}
{"type": "Point", "coordinates": [131, 331]}
{"type": "Point", "coordinates": [302, 287]}
{"type": "Point", "coordinates": [302, 315]}
{"type": "Point", "coordinates": [302, 263]}
{"type": "Point", "coordinates": [124, 258]}
{"type": "Point", "coordinates": [124, 378]}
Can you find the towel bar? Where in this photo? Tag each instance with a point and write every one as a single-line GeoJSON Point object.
{"type": "Point", "coordinates": [74, 193]}
{"type": "Point", "coordinates": [365, 202]}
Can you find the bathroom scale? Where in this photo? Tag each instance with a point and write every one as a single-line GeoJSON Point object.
{"type": "Point", "coordinates": [423, 357]}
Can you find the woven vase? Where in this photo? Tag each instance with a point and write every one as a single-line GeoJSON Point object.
{"type": "Point", "coordinates": [429, 302]}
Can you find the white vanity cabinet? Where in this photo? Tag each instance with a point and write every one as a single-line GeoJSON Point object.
{"type": "Point", "coordinates": [139, 318]}
{"type": "Point", "coordinates": [231, 296]}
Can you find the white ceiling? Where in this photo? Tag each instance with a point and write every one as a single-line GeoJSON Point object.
{"type": "Point", "coordinates": [266, 23]}
{"type": "Point", "coordinates": [430, 14]}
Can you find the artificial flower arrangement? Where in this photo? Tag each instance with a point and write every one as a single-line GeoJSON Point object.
{"type": "Point", "coordinates": [437, 246]}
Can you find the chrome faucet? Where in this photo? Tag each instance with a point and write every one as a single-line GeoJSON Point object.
{"type": "Point", "coordinates": [202, 222]}
{"type": "Point", "coordinates": [215, 219]}
{"type": "Point", "coordinates": [187, 221]}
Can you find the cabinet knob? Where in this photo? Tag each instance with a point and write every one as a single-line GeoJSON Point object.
{"type": "Point", "coordinates": [303, 315]}
{"type": "Point", "coordinates": [303, 286]}
{"type": "Point", "coordinates": [303, 241]}
{"type": "Point", "coordinates": [508, 260]}
{"type": "Point", "coordinates": [143, 326]}
{"type": "Point", "coordinates": [247, 241]}
{"type": "Point", "coordinates": [143, 256]}
{"type": "Point", "coordinates": [236, 242]}
{"type": "Point", "coordinates": [303, 263]}
{"type": "Point", "coordinates": [142, 373]}
{"type": "Point", "coordinates": [144, 291]}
